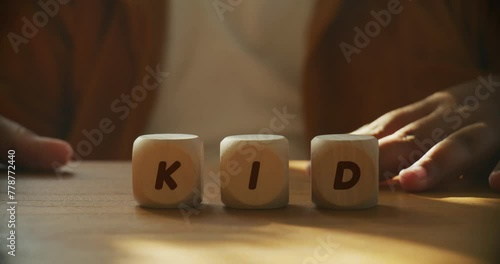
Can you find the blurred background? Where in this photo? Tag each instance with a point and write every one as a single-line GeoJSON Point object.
{"type": "Point", "coordinates": [231, 67]}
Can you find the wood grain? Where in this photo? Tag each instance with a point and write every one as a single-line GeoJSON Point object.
{"type": "Point", "coordinates": [90, 216]}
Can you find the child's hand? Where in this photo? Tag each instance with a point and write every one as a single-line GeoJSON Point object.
{"type": "Point", "coordinates": [32, 151]}
{"type": "Point", "coordinates": [448, 134]}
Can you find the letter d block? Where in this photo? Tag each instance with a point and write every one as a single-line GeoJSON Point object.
{"type": "Point", "coordinates": [344, 171]}
{"type": "Point", "coordinates": [254, 171]}
{"type": "Point", "coordinates": [166, 170]}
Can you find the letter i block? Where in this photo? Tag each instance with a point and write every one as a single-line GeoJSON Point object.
{"type": "Point", "coordinates": [166, 170]}
{"type": "Point", "coordinates": [256, 171]}
{"type": "Point", "coordinates": [344, 171]}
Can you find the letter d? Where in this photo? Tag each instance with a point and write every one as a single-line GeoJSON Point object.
{"type": "Point", "coordinates": [339, 183]}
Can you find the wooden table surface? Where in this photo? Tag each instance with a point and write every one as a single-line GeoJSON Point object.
{"type": "Point", "coordinates": [90, 216]}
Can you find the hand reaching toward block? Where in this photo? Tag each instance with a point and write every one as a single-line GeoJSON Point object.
{"type": "Point", "coordinates": [448, 134]}
{"type": "Point", "coordinates": [32, 151]}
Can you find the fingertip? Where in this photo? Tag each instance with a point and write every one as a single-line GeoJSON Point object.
{"type": "Point", "coordinates": [61, 152]}
{"type": "Point", "coordinates": [414, 179]}
{"type": "Point", "coordinates": [495, 181]}
{"type": "Point", "coordinates": [43, 153]}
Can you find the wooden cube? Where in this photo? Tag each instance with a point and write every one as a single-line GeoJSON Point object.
{"type": "Point", "coordinates": [166, 170]}
{"type": "Point", "coordinates": [255, 168]}
{"type": "Point", "coordinates": [344, 171]}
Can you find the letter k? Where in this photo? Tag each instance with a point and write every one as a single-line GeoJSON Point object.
{"type": "Point", "coordinates": [165, 175]}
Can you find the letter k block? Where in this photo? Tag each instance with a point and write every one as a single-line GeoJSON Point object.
{"type": "Point", "coordinates": [344, 171]}
{"type": "Point", "coordinates": [166, 170]}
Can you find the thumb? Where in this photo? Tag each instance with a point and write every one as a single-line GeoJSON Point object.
{"type": "Point", "coordinates": [31, 150]}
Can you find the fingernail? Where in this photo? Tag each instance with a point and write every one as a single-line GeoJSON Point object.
{"type": "Point", "coordinates": [414, 178]}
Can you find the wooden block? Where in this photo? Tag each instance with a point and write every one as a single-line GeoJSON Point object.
{"type": "Point", "coordinates": [344, 171]}
{"type": "Point", "coordinates": [254, 171]}
{"type": "Point", "coordinates": [166, 170]}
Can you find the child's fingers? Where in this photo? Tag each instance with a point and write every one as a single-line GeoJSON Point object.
{"type": "Point", "coordinates": [451, 157]}
{"type": "Point", "coordinates": [32, 151]}
{"type": "Point", "coordinates": [410, 143]}
{"type": "Point", "coordinates": [395, 120]}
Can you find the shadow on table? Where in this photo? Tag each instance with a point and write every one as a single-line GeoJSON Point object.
{"type": "Point", "coordinates": [418, 218]}
{"type": "Point", "coordinates": [422, 218]}
{"type": "Point", "coordinates": [477, 188]}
